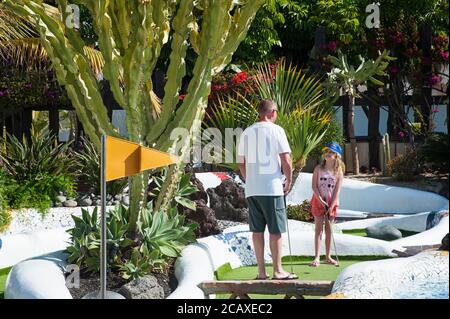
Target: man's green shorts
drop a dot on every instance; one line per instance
(267, 210)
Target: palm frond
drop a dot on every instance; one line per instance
(289, 87)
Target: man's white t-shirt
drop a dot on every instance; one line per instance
(261, 144)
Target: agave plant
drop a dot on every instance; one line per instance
(42, 155)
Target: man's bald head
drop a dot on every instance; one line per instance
(266, 108)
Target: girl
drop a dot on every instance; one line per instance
(326, 184)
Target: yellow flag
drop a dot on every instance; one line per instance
(124, 158)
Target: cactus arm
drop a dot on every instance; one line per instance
(177, 68)
(242, 20)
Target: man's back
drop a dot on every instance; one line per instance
(260, 145)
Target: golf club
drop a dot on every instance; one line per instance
(332, 235)
(289, 237)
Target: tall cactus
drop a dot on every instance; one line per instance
(131, 34)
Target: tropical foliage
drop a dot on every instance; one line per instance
(163, 236)
(37, 170)
(213, 28)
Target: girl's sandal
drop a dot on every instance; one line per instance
(315, 263)
(331, 262)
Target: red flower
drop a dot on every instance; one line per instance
(444, 55)
(401, 134)
(239, 78)
(436, 110)
(181, 97)
(332, 46)
(216, 87)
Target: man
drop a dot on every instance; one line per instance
(263, 154)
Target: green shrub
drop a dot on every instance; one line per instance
(435, 151)
(25, 161)
(333, 133)
(184, 188)
(88, 169)
(404, 167)
(162, 235)
(5, 214)
(36, 171)
(300, 212)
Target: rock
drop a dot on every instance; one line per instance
(98, 202)
(109, 197)
(70, 203)
(118, 197)
(60, 199)
(109, 203)
(84, 201)
(444, 245)
(126, 200)
(384, 232)
(58, 204)
(201, 193)
(116, 202)
(144, 288)
(228, 201)
(204, 217)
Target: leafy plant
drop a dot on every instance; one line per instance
(88, 167)
(162, 235)
(404, 167)
(184, 188)
(141, 264)
(435, 151)
(5, 214)
(300, 212)
(165, 232)
(42, 155)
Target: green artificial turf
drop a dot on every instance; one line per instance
(3, 275)
(300, 267)
(362, 232)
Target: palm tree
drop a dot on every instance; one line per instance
(347, 78)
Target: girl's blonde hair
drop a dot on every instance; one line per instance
(339, 166)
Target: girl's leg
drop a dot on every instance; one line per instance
(328, 241)
(317, 239)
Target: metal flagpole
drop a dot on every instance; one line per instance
(103, 293)
(103, 220)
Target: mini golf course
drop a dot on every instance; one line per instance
(300, 266)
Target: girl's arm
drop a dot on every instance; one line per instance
(336, 192)
(315, 187)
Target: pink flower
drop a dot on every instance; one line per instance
(401, 134)
(434, 79)
(181, 97)
(444, 55)
(332, 46)
(394, 70)
(436, 110)
(216, 87)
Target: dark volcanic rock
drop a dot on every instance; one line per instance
(228, 201)
(444, 245)
(204, 217)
